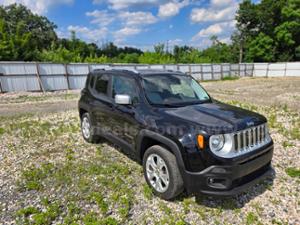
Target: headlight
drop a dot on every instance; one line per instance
(221, 145)
(216, 142)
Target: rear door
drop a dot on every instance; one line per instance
(101, 102)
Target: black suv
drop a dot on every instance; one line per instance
(184, 139)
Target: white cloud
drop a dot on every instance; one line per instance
(101, 18)
(126, 31)
(90, 35)
(201, 44)
(123, 4)
(217, 11)
(171, 8)
(174, 42)
(215, 29)
(137, 18)
(121, 35)
(37, 6)
(211, 30)
(221, 3)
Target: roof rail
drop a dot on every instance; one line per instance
(117, 69)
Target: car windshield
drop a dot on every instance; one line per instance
(173, 90)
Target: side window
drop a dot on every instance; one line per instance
(125, 86)
(101, 86)
(92, 81)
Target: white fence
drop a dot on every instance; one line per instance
(21, 76)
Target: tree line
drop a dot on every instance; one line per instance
(265, 32)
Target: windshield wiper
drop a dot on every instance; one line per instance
(198, 102)
(167, 105)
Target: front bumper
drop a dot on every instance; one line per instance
(230, 180)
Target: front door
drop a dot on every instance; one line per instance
(124, 116)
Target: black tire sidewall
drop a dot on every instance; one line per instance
(92, 137)
(175, 185)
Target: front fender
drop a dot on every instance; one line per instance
(173, 147)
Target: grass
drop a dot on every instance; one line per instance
(33, 215)
(226, 78)
(293, 172)
(105, 184)
(39, 98)
(251, 218)
(2, 131)
(70, 182)
(147, 192)
(287, 144)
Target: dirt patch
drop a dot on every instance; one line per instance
(261, 91)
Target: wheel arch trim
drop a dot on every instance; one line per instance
(173, 147)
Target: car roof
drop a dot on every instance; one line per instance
(139, 72)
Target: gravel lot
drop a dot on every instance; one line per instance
(49, 175)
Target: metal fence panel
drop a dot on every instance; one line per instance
(260, 69)
(171, 67)
(18, 77)
(184, 68)
(21, 76)
(276, 69)
(217, 68)
(77, 82)
(78, 69)
(53, 77)
(157, 67)
(77, 74)
(19, 83)
(293, 69)
(10, 68)
(142, 67)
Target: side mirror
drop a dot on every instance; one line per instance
(123, 100)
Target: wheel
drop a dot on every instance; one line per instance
(162, 173)
(86, 129)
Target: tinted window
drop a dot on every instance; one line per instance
(92, 81)
(125, 86)
(101, 86)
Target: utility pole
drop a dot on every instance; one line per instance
(241, 52)
(167, 46)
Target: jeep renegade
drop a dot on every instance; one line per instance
(185, 139)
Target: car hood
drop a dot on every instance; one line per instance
(217, 117)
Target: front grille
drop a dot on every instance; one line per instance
(251, 138)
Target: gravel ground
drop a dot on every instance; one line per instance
(49, 175)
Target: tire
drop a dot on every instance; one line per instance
(88, 133)
(172, 188)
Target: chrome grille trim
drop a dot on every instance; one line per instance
(250, 139)
(244, 141)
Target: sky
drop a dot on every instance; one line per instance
(140, 23)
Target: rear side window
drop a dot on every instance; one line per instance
(101, 86)
(92, 81)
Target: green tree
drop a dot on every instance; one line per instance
(159, 48)
(276, 22)
(41, 29)
(261, 49)
(60, 55)
(18, 46)
(288, 32)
